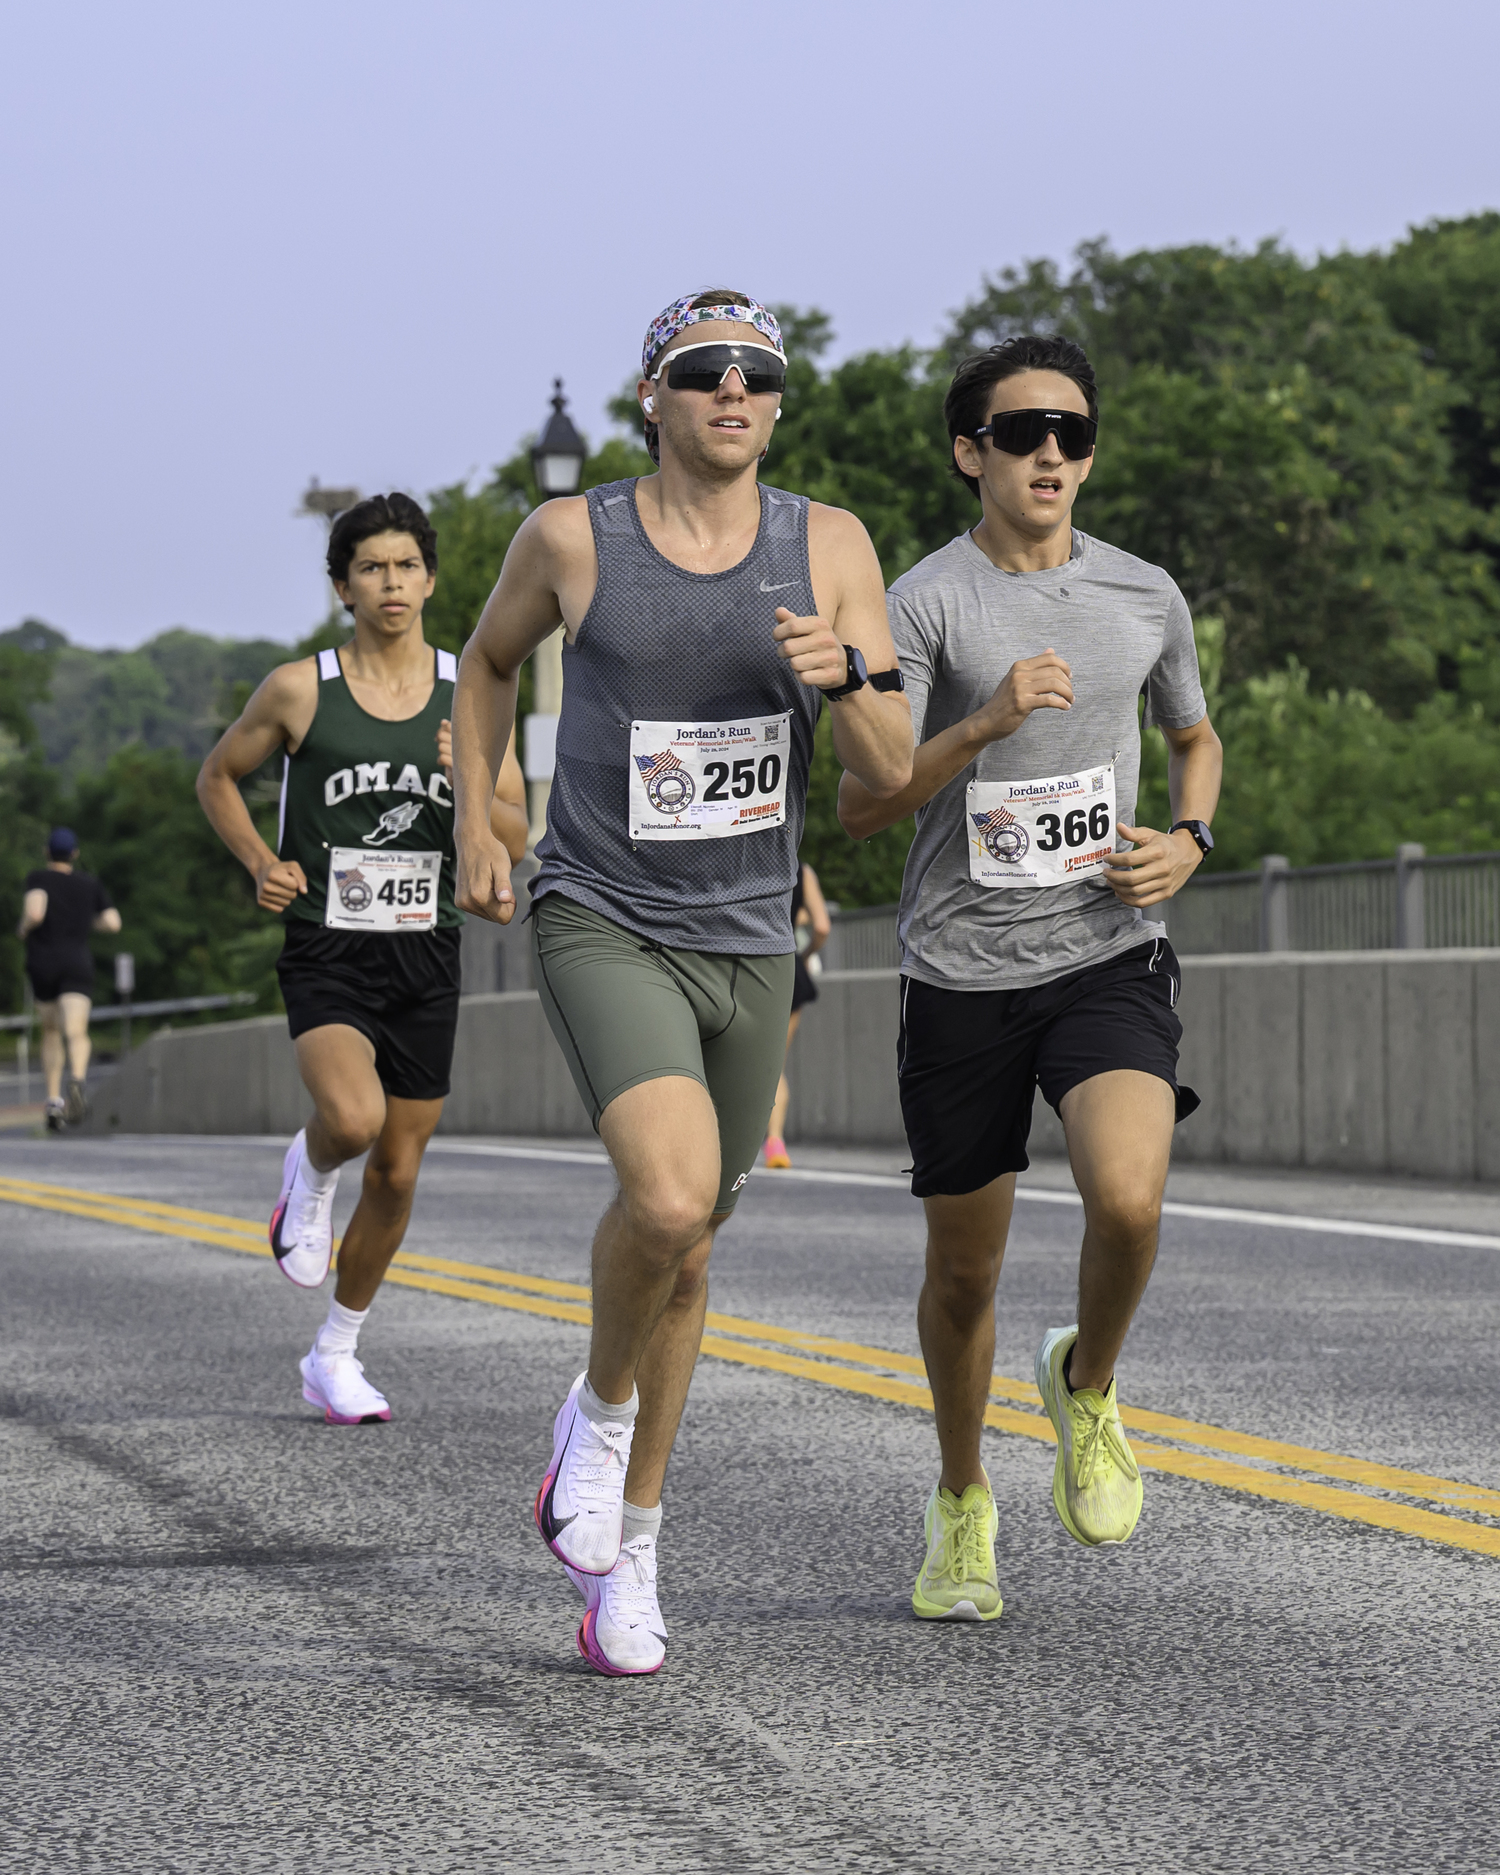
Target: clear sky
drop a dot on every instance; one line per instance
(246, 246)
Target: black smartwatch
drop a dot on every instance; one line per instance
(1199, 830)
(857, 675)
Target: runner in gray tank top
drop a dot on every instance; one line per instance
(703, 616)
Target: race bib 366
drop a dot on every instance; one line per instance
(708, 781)
(1040, 833)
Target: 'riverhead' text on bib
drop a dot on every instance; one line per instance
(382, 891)
(1040, 833)
(706, 781)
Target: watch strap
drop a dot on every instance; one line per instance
(1202, 838)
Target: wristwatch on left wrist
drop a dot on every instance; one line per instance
(1202, 838)
(857, 675)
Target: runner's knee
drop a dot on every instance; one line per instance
(963, 1285)
(669, 1215)
(1126, 1209)
(394, 1179)
(352, 1125)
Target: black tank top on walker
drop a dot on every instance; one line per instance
(685, 740)
(367, 812)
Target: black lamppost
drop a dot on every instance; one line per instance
(558, 453)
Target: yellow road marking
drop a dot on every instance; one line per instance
(562, 1301)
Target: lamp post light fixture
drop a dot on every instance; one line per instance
(557, 463)
(557, 454)
(328, 504)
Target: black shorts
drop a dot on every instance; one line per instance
(970, 1060)
(804, 990)
(400, 991)
(52, 977)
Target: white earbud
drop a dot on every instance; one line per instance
(651, 405)
(778, 416)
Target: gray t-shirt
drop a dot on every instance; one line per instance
(960, 623)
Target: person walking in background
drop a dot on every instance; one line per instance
(811, 928)
(61, 907)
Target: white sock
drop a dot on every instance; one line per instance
(640, 1522)
(602, 1412)
(340, 1333)
(310, 1177)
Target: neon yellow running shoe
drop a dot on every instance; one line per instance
(957, 1581)
(1096, 1483)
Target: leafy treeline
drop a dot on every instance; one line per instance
(1311, 449)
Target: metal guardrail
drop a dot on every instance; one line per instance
(1408, 902)
(862, 939)
(123, 1012)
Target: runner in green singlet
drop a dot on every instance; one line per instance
(363, 881)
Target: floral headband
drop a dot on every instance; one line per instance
(682, 313)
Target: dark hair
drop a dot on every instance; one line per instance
(967, 404)
(710, 296)
(381, 514)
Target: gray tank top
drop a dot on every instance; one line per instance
(659, 642)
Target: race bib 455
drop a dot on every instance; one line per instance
(381, 890)
(1040, 833)
(708, 781)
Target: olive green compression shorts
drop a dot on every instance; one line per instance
(625, 1010)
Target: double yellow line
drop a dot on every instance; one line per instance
(1282, 1473)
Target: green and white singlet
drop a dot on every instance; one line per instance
(367, 812)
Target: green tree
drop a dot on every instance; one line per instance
(187, 905)
(1441, 287)
(1270, 437)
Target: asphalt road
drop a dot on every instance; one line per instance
(236, 1639)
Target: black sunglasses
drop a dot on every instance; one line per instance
(705, 367)
(1019, 432)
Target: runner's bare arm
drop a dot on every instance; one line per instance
(1160, 864)
(820, 924)
(33, 911)
(1040, 683)
(540, 587)
(277, 716)
(509, 820)
(871, 728)
(108, 920)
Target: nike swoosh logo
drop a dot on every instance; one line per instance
(781, 586)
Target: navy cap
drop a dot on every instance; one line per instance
(62, 843)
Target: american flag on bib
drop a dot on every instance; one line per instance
(994, 820)
(653, 765)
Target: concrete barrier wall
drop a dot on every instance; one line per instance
(1365, 1061)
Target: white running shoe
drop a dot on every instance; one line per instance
(622, 1630)
(302, 1223)
(580, 1509)
(337, 1383)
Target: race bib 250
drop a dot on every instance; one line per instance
(708, 781)
(1040, 833)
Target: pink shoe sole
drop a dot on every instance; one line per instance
(591, 1652)
(341, 1419)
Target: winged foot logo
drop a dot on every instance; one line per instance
(393, 823)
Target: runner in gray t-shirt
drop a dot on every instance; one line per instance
(1026, 956)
